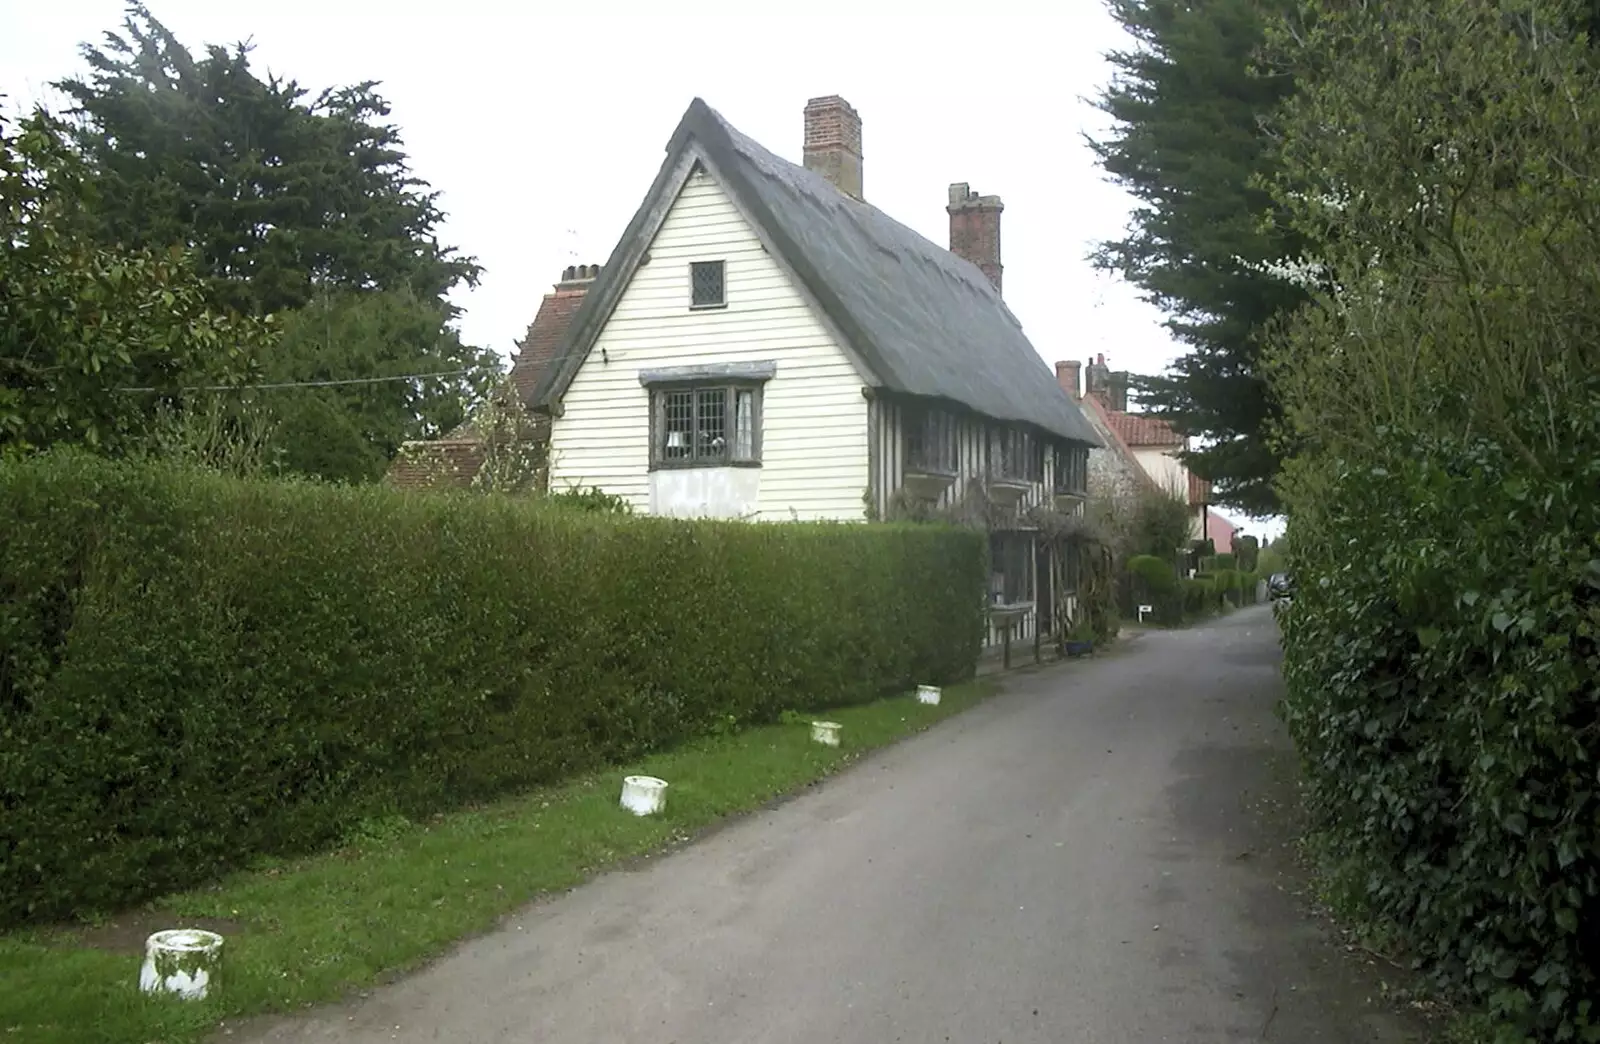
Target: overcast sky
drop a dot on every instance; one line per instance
(543, 130)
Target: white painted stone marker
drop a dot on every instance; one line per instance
(826, 733)
(185, 962)
(928, 694)
(644, 795)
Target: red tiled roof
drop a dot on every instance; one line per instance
(1117, 444)
(1133, 429)
(437, 464)
(538, 345)
(1137, 429)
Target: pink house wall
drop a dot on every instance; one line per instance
(1220, 532)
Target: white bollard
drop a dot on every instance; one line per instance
(826, 733)
(928, 694)
(644, 795)
(185, 962)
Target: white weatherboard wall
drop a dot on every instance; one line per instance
(814, 417)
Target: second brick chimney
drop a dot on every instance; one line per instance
(833, 143)
(975, 229)
(1067, 375)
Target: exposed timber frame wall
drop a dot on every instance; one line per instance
(961, 472)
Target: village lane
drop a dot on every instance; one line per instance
(1099, 854)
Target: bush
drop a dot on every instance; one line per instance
(1223, 562)
(1155, 583)
(1199, 596)
(1443, 694)
(195, 669)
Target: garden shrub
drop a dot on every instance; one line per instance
(1222, 562)
(1156, 584)
(1199, 596)
(1247, 549)
(196, 669)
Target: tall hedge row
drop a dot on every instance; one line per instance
(195, 669)
(1443, 663)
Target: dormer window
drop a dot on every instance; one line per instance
(708, 284)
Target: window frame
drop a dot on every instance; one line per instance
(1009, 547)
(1015, 455)
(732, 387)
(922, 426)
(722, 271)
(1070, 473)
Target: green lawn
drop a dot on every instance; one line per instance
(311, 929)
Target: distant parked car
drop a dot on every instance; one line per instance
(1280, 588)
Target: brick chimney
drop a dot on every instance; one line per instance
(975, 229)
(1097, 380)
(833, 143)
(1067, 374)
(1117, 390)
(1110, 388)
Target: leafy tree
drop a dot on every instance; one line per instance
(1188, 145)
(516, 445)
(82, 323)
(1439, 196)
(290, 203)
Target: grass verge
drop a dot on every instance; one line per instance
(312, 929)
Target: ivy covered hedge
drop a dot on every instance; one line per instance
(194, 669)
(1443, 664)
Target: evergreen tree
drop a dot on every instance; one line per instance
(1189, 145)
(290, 203)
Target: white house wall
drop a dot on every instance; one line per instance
(1164, 469)
(1170, 474)
(814, 416)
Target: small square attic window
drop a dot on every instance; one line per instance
(707, 285)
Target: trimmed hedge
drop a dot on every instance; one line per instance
(1444, 692)
(194, 669)
(1155, 583)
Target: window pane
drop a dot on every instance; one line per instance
(711, 424)
(744, 425)
(706, 283)
(677, 425)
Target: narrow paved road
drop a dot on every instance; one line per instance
(1082, 859)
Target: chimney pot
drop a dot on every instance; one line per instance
(576, 276)
(975, 229)
(833, 143)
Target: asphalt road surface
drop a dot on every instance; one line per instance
(1096, 855)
